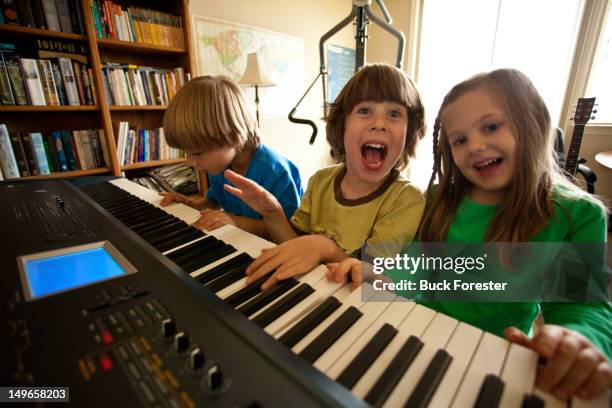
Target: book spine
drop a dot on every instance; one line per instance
(8, 163)
(20, 157)
(39, 151)
(30, 153)
(6, 93)
(39, 14)
(72, 93)
(48, 83)
(51, 154)
(26, 18)
(69, 149)
(33, 82)
(95, 148)
(51, 16)
(58, 145)
(78, 76)
(104, 146)
(88, 149)
(86, 85)
(76, 145)
(16, 77)
(9, 12)
(59, 84)
(63, 13)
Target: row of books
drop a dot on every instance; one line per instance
(133, 85)
(136, 145)
(58, 81)
(136, 24)
(55, 15)
(25, 154)
(176, 177)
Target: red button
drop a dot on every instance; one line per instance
(107, 337)
(105, 362)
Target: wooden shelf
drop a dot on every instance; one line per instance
(105, 43)
(62, 108)
(68, 174)
(27, 32)
(138, 107)
(151, 163)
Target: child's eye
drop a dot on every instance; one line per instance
(492, 127)
(395, 114)
(363, 110)
(458, 141)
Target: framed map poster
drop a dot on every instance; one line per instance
(340, 68)
(222, 48)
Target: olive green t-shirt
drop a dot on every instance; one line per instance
(386, 219)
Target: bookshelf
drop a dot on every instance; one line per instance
(102, 115)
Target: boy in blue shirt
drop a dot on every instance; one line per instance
(210, 120)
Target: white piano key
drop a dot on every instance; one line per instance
(414, 325)
(488, 359)
(353, 299)
(371, 311)
(434, 338)
(168, 252)
(550, 401)
(395, 313)
(518, 374)
(461, 347)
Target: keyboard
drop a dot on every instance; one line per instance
(386, 350)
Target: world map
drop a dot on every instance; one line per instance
(222, 49)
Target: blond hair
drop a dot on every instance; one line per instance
(208, 113)
(529, 203)
(379, 83)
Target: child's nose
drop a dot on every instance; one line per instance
(477, 144)
(379, 122)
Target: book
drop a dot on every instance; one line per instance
(20, 157)
(49, 152)
(58, 146)
(38, 14)
(8, 163)
(26, 17)
(51, 16)
(48, 82)
(76, 16)
(78, 79)
(41, 155)
(30, 153)
(105, 153)
(32, 81)
(6, 94)
(69, 150)
(63, 12)
(87, 85)
(68, 79)
(16, 78)
(59, 84)
(9, 11)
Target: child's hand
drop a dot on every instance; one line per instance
(213, 219)
(574, 365)
(254, 195)
(337, 271)
(291, 258)
(169, 198)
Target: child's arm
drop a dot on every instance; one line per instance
(264, 203)
(574, 366)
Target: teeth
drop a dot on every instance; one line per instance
(491, 161)
(375, 145)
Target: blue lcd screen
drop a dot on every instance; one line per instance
(62, 272)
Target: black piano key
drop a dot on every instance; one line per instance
(283, 305)
(532, 401)
(309, 322)
(144, 226)
(252, 289)
(141, 217)
(171, 234)
(154, 229)
(427, 385)
(265, 298)
(134, 210)
(370, 352)
(490, 392)
(211, 255)
(164, 230)
(195, 250)
(188, 236)
(332, 333)
(238, 262)
(383, 387)
(229, 278)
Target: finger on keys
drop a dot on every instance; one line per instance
(586, 361)
(514, 335)
(559, 366)
(599, 381)
(266, 254)
(262, 270)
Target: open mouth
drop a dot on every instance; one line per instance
(373, 155)
(488, 165)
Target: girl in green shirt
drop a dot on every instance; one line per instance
(498, 182)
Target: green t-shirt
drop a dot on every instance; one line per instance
(385, 220)
(576, 219)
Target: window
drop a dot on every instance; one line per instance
(462, 38)
(600, 80)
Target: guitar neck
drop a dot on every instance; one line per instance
(571, 162)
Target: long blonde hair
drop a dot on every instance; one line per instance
(529, 203)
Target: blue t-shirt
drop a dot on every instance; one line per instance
(270, 170)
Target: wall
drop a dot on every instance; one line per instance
(308, 20)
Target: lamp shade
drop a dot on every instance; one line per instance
(254, 73)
